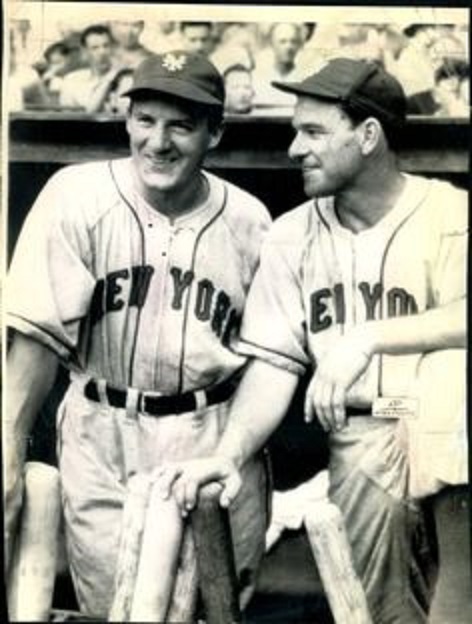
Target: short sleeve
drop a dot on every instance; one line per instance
(273, 327)
(49, 285)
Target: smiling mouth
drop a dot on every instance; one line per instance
(160, 163)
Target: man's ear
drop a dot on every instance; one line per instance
(215, 135)
(371, 134)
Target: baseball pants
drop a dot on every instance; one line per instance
(93, 461)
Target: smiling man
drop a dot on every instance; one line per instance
(134, 273)
(362, 284)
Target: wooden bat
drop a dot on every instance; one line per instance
(34, 565)
(332, 552)
(158, 560)
(134, 513)
(218, 580)
(184, 595)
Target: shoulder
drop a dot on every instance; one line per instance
(294, 226)
(243, 211)
(81, 191)
(77, 76)
(444, 205)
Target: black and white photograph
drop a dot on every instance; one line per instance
(234, 300)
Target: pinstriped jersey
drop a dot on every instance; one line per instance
(124, 293)
(317, 279)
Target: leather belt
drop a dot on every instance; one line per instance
(152, 405)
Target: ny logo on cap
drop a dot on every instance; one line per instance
(174, 63)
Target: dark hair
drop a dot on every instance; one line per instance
(212, 113)
(58, 46)
(95, 29)
(411, 30)
(235, 68)
(357, 116)
(451, 67)
(184, 25)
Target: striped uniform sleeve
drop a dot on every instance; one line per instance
(273, 327)
(49, 287)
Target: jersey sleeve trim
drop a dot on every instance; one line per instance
(42, 335)
(272, 356)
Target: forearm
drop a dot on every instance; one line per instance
(260, 404)
(31, 371)
(439, 328)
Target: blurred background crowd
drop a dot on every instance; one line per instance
(86, 69)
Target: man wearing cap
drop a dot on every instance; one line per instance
(133, 273)
(360, 283)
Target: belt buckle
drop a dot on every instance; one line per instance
(142, 403)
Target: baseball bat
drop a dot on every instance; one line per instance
(158, 560)
(332, 552)
(132, 527)
(184, 595)
(218, 580)
(34, 565)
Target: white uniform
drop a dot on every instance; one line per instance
(316, 279)
(126, 296)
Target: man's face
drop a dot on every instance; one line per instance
(58, 62)
(239, 92)
(198, 39)
(99, 52)
(127, 33)
(168, 145)
(326, 146)
(285, 42)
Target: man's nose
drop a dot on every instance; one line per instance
(297, 147)
(160, 139)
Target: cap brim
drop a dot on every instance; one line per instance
(299, 88)
(178, 88)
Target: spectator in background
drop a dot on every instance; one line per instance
(25, 88)
(445, 99)
(197, 37)
(239, 89)
(414, 68)
(86, 89)
(129, 51)
(392, 42)
(57, 59)
(114, 102)
(237, 44)
(278, 63)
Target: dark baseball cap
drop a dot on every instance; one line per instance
(183, 74)
(363, 85)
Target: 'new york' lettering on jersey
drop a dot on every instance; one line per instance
(317, 279)
(146, 302)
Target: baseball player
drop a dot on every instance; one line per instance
(134, 273)
(361, 282)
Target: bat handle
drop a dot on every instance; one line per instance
(218, 580)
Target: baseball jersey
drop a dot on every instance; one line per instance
(126, 294)
(317, 279)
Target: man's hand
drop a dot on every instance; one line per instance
(184, 479)
(335, 373)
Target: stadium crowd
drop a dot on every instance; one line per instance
(87, 70)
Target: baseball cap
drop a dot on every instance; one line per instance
(364, 85)
(187, 75)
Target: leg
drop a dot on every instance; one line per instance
(386, 531)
